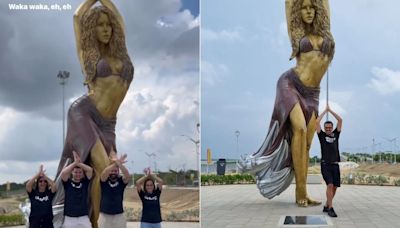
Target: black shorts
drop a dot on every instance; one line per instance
(331, 173)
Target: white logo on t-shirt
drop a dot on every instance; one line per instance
(45, 198)
(112, 185)
(150, 198)
(329, 139)
(75, 185)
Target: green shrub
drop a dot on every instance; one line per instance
(397, 182)
(348, 179)
(11, 220)
(376, 179)
(132, 214)
(182, 215)
(360, 178)
(212, 179)
(380, 180)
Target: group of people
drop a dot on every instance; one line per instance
(76, 178)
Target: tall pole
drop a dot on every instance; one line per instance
(184, 174)
(198, 153)
(197, 145)
(155, 162)
(132, 174)
(394, 149)
(393, 145)
(176, 177)
(149, 156)
(63, 76)
(373, 150)
(327, 92)
(237, 133)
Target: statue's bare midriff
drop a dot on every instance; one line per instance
(107, 94)
(311, 66)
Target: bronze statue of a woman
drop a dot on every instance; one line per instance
(108, 71)
(285, 151)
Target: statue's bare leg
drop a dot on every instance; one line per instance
(310, 134)
(298, 148)
(99, 161)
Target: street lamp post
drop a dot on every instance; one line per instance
(155, 162)
(132, 173)
(149, 156)
(394, 150)
(237, 133)
(393, 142)
(184, 174)
(63, 76)
(380, 152)
(197, 144)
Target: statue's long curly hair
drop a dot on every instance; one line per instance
(90, 44)
(320, 25)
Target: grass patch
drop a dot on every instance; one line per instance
(12, 220)
(211, 179)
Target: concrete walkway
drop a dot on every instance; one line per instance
(163, 225)
(234, 206)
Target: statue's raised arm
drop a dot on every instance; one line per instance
(80, 11)
(328, 11)
(288, 7)
(111, 6)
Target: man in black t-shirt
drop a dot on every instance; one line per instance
(329, 140)
(112, 193)
(76, 208)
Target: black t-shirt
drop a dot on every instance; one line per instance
(151, 212)
(76, 198)
(112, 195)
(329, 146)
(41, 205)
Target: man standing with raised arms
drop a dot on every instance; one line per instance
(76, 205)
(329, 140)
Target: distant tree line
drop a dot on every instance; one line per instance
(386, 157)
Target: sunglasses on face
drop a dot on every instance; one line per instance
(43, 181)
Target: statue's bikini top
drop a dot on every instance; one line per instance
(306, 46)
(103, 69)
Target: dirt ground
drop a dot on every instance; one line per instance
(177, 204)
(389, 170)
(9, 206)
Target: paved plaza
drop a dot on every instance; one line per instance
(163, 225)
(234, 206)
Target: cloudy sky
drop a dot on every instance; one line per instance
(161, 105)
(245, 48)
